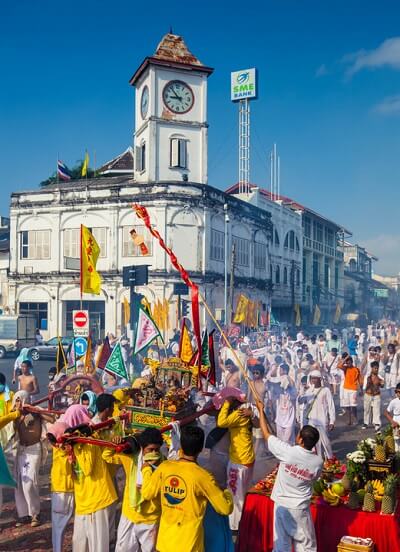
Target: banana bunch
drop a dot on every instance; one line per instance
(379, 489)
(330, 497)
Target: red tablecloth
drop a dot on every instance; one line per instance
(331, 524)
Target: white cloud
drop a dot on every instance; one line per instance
(386, 54)
(321, 71)
(387, 248)
(389, 106)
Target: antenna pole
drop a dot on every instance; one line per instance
(279, 176)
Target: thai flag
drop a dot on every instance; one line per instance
(63, 171)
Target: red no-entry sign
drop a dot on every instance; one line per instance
(80, 322)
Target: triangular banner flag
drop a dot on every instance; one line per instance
(146, 332)
(115, 364)
(61, 361)
(185, 344)
(104, 354)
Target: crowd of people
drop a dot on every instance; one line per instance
(275, 395)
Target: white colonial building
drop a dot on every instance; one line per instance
(285, 248)
(170, 179)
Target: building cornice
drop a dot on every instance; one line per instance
(116, 194)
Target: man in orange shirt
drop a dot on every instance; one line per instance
(352, 382)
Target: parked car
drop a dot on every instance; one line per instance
(48, 350)
(16, 332)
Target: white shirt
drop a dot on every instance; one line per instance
(298, 469)
(285, 405)
(322, 411)
(394, 409)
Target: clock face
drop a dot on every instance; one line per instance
(144, 102)
(178, 96)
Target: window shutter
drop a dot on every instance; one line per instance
(138, 158)
(182, 153)
(174, 156)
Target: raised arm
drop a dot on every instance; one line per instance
(221, 501)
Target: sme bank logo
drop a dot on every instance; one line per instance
(243, 84)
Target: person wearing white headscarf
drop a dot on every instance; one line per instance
(319, 411)
(284, 397)
(29, 432)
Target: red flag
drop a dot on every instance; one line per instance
(142, 213)
(104, 354)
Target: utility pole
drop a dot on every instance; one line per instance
(226, 319)
(292, 282)
(231, 283)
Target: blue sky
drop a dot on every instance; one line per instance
(329, 82)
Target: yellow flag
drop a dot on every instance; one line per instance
(127, 311)
(338, 313)
(241, 309)
(185, 344)
(251, 321)
(90, 251)
(317, 315)
(88, 357)
(85, 164)
(160, 311)
(166, 315)
(298, 314)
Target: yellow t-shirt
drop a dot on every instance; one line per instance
(5, 408)
(185, 488)
(11, 417)
(93, 486)
(61, 472)
(241, 450)
(150, 510)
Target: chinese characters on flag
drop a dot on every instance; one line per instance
(90, 251)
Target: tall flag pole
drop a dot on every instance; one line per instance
(142, 213)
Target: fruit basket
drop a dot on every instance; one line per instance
(355, 544)
(265, 486)
(333, 469)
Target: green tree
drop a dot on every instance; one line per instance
(75, 171)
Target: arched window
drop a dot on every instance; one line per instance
(276, 237)
(353, 265)
(285, 276)
(291, 241)
(277, 275)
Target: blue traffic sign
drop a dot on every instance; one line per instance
(80, 344)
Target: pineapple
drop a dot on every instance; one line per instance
(354, 497)
(389, 500)
(389, 440)
(380, 455)
(346, 482)
(369, 501)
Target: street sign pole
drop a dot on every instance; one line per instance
(134, 276)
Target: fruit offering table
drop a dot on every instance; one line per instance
(331, 524)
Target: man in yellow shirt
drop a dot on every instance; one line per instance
(184, 488)
(62, 486)
(137, 529)
(95, 495)
(241, 453)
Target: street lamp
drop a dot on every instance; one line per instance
(226, 264)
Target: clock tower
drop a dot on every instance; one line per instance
(171, 126)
